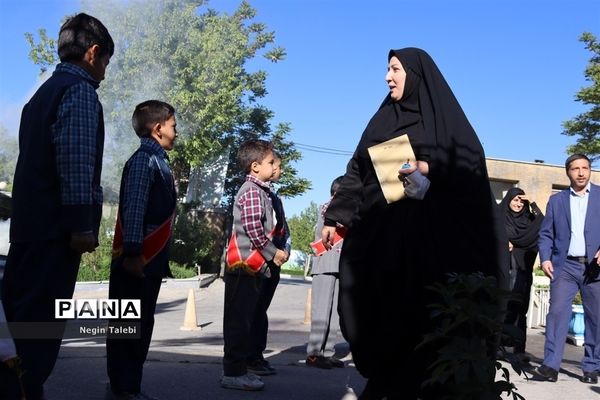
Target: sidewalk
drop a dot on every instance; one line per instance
(187, 364)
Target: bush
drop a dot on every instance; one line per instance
(181, 271)
(468, 327)
(189, 242)
(191, 237)
(293, 272)
(96, 266)
(577, 299)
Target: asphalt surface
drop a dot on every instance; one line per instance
(186, 364)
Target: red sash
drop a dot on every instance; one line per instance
(252, 264)
(153, 244)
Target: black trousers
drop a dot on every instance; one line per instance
(125, 356)
(260, 323)
(516, 312)
(242, 293)
(36, 274)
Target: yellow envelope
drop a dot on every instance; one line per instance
(388, 157)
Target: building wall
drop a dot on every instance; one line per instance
(539, 180)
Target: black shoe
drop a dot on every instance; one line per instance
(319, 362)
(336, 362)
(260, 368)
(269, 367)
(546, 373)
(590, 377)
(522, 358)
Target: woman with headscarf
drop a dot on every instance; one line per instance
(522, 221)
(392, 251)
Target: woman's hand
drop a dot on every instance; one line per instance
(525, 198)
(422, 166)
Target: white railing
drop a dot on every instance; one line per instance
(539, 303)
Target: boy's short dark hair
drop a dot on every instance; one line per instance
(336, 184)
(253, 150)
(148, 113)
(574, 157)
(78, 34)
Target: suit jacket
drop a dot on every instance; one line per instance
(555, 233)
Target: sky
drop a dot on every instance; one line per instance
(514, 66)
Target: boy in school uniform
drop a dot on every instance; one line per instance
(141, 244)
(57, 198)
(324, 321)
(257, 364)
(250, 256)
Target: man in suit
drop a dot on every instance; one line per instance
(569, 247)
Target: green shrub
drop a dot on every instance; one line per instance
(191, 237)
(96, 266)
(466, 339)
(293, 272)
(181, 271)
(189, 244)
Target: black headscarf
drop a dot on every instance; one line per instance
(440, 134)
(522, 227)
(469, 241)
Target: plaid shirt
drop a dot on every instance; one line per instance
(252, 213)
(137, 181)
(74, 137)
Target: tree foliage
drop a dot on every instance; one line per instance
(42, 53)
(207, 64)
(587, 124)
(302, 228)
(198, 59)
(467, 316)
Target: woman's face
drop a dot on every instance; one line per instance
(395, 78)
(516, 204)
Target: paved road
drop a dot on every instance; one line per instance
(187, 364)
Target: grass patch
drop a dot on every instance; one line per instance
(293, 272)
(182, 272)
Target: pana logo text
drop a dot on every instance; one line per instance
(97, 308)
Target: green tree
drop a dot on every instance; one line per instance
(42, 53)
(9, 150)
(197, 59)
(587, 125)
(207, 64)
(302, 228)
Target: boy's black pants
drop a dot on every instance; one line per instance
(260, 324)
(242, 293)
(36, 274)
(125, 357)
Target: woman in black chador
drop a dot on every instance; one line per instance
(522, 221)
(392, 251)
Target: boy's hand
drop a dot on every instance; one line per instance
(83, 242)
(280, 258)
(327, 236)
(134, 266)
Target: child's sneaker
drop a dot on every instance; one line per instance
(243, 382)
(261, 367)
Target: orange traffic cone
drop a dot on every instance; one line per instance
(189, 320)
